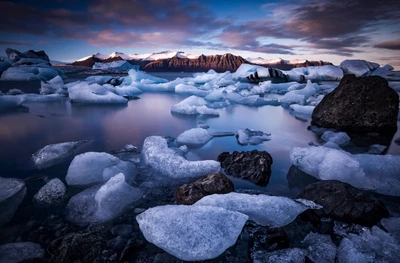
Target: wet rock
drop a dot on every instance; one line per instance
(122, 230)
(299, 179)
(254, 166)
(365, 104)
(18, 252)
(214, 183)
(82, 247)
(54, 192)
(12, 192)
(343, 202)
(270, 238)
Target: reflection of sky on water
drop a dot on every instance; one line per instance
(111, 127)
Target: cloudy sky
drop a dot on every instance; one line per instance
(328, 30)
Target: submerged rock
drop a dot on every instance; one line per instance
(191, 232)
(272, 211)
(54, 192)
(214, 183)
(20, 252)
(55, 153)
(345, 203)
(254, 166)
(12, 192)
(364, 104)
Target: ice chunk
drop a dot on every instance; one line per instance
(249, 136)
(191, 232)
(340, 138)
(361, 170)
(119, 65)
(358, 67)
(392, 225)
(55, 85)
(252, 100)
(189, 89)
(20, 252)
(386, 72)
(166, 161)
(371, 245)
(102, 203)
(272, 211)
(55, 153)
(40, 98)
(299, 96)
(318, 73)
(288, 255)
(101, 80)
(9, 102)
(127, 90)
(15, 92)
(193, 105)
(95, 94)
(320, 248)
(194, 137)
(301, 109)
(97, 167)
(12, 192)
(51, 193)
(142, 77)
(206, 111)
(279, 88)
(215, 95)
(29, 73)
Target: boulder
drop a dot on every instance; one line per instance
(214, 183)
(54, 192)
(254, 166)
(343, 202)
(12, 192)
(364, 104)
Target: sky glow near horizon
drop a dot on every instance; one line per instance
(326, 30)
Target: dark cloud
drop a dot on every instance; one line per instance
(392, 44)
(12, 43)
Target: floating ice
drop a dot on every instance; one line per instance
(301, 109)
(97, 167)
(102, 203)
(194, 137)
(288, 255)
(319, 73)
(299, 96)
(142, 77)
(340, 138)
(29, 73)
(272, 211)
(55, 153)
(119, 65)
(40, 98)
(20, 252)
(191, 232)
(361, 170)
(249, 136)
(320, 248)
(126, 90)
(94, 94)
(206, 111)
(392, 225)
(51, 193)
(215, 95)
(12, 192)
(101, 80)
(386, 72)
(371, 245)
(15, 92)
(9, 102)
(189, 89)
(279, 88)
(193, 105)
(166, 161)
(358, 67)
(252, 100)
(55, 85)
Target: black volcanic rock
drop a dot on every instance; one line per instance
(254, 166)
(365, 104)
(343, 202)
(214, 183)
(219, 63)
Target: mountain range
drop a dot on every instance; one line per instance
(181, 61)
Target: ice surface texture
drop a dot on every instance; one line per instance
(166, 161)
(272, 211)
(191, 232)
(93, 94)
(253, 137)
(194, 137)
(193, 105)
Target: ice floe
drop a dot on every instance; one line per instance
(339, 138)
(193, 105)
(299, 96)
(55, 85)
(358, 67)
(191, 232)
(249, 136)
(93, 94)
(194, 137)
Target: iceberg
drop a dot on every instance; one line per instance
(193, 105)
(93, 94)
(299, 96)
(97, 167)
(102, 203)
(272, 211)
(318, 73)
(12, 192)
(55, 85)
(21, 252)
(194, 137)
(253, 137)
(54, 192)
(358, 67)
(119, 65)
(339, 138)
(363, 171)
(55, 153)
(23, 73)
(166, 161)
(135, 75)
(9, 102)
(189, 89)
(191, 233)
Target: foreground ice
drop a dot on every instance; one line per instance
(339, 138)
(53, 192)
(12, 192)
(194, 137)
(363, 171)
(20, 252)
(191, 232)
(166, 161)
(102, 203)
(94, 94)
(97, 167)
(392, 225)
(319, 248)
(193, 105)
(371, 245)
(55, 153)
(272, 211)
(253, 137)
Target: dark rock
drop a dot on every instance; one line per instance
(78, 247)
(299, 179)
(214, 183)
(343, 202)
(122, 230)
(254, 166)
(365, 104)
(270, 238)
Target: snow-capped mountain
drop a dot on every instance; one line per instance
(263, 61)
